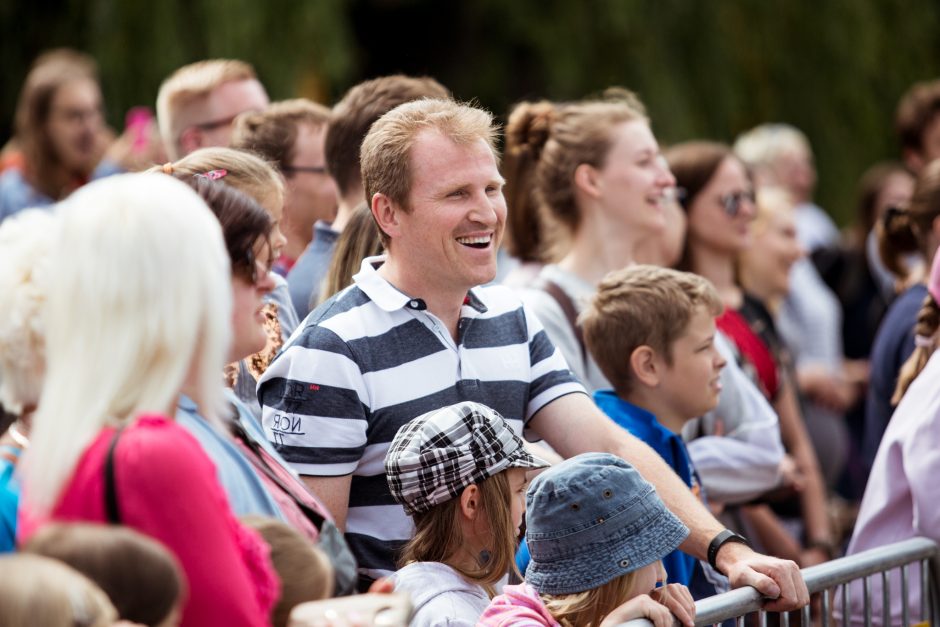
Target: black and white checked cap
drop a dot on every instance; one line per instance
(438, 454)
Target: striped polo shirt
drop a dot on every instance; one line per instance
(371, 359)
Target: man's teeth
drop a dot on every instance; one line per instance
(474, 240)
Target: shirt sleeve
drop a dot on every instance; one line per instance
(168, 490)
(550, 377)
(314, 404)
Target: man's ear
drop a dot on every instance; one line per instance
(470, 502)
(386, 213)
(645, 366)
(586, 179)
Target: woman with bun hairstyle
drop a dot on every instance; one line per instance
(592, 174)
(904, 233)
(594, 170)
(720, 205)
(139, 307)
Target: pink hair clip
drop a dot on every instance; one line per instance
(213, 175)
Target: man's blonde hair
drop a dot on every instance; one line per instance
(386, 151)
(642, 306)
(189, 84)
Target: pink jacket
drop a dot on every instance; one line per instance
(517, 606)
(167, 489)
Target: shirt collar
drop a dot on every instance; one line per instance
(390, 298)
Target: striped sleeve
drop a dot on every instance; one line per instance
(315, 405)
(550, 376)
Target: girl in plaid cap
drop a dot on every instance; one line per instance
(460, 473)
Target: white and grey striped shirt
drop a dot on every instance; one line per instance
(371, 359)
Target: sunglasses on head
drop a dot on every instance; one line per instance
(731, 203)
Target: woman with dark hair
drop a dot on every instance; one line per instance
(59, 130)
(720, 206)
(905, 234)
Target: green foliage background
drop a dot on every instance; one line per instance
(834, 68)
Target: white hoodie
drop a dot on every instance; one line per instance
(441, 596)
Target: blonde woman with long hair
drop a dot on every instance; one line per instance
(139, 305)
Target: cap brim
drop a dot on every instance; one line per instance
(522, 458)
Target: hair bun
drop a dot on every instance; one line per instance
(530, 125)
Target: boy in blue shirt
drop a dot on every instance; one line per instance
(651, 331)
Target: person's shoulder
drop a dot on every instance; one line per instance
(155, 434)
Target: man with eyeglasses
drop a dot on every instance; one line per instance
(290, 134)
(197, 104)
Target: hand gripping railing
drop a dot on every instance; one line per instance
(829, 578)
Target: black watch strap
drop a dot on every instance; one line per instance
(719, 541)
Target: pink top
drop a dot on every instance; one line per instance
(517, 606)
(167, 489)
(902, 498)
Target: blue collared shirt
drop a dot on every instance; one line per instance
(680, 566)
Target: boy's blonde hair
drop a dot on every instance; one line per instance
(438, 535)
(642, 306)
(589, 608)
(189, 84)
(245, 171)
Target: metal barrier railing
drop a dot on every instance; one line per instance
(829, 581)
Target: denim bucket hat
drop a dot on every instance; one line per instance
(591, 519)
(438, 454)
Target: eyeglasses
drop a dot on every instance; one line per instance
(731, 203)
(214, 124)
(312, 169)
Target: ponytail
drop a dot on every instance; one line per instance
(896, 238)
(928, 321)
(526, 135)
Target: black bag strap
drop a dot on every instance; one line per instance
(258, 460)
(110, 487)
(567, 307)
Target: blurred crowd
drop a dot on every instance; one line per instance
(384, 362)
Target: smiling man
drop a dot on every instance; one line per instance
(416, 332)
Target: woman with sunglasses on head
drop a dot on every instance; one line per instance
(138, 308)
(720, 206)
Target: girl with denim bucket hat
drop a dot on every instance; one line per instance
(460, 473)
(596, 532)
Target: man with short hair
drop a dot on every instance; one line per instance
(416, 332)
(351, 118)
(917, 123)
(290, 134)
(197, 104)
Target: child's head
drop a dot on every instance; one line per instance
(653, 328)
(139, 575)
(304, 570)
(596, 531)
(459, 472)
(39, 590)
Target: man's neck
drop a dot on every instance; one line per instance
(652, 402)
(444, 303)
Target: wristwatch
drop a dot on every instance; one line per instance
(719, 541)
